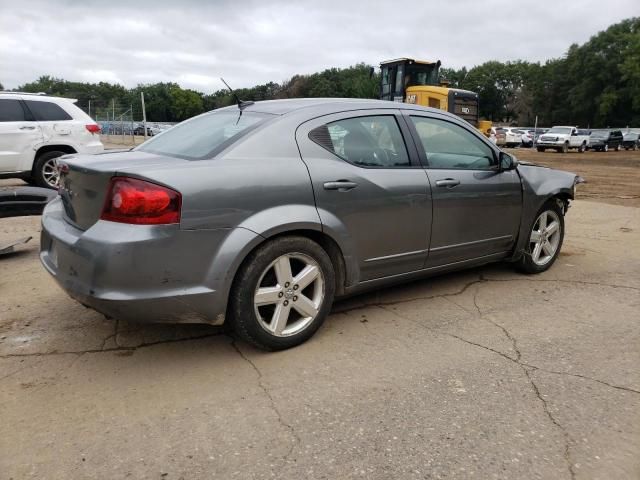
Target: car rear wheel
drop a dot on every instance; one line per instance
(618, 148)
(545, 239)
(582, 148)
(45, 170)
(605, 148)
(565, 148)
(282, 293)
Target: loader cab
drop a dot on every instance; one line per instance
(413, 81)
(399, 74)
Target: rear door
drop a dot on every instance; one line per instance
(476, 208)
(18, 136)
(370, 188)
(56, 124)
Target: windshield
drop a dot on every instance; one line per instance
(561, 130)
(199, 137)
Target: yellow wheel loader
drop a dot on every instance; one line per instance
(415, 81)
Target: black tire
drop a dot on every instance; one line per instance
(618, 148)
(565, 148)
(605, 148)
(635, 147)
(541, 150)
(38, 176)
(526, 263)
(582, 148)
(245, 321)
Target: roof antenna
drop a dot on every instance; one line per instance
(242, 104)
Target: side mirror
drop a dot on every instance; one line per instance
(506, 162)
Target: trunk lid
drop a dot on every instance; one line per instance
(84, 180)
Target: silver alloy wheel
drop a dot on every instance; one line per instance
(50, 172)
(545, 237)
(289, 294)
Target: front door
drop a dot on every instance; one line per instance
(476, 207)
(18, 136)
(370, 188)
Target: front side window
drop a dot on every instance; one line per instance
(374, 141)
(47, 111)
(11, 111)
(447, 145)
(198, 138)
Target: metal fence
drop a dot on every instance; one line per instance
(124, 120)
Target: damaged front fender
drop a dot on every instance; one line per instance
(539, 185)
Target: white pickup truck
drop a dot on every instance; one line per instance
(562, 139)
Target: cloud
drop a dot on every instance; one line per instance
(250, 42)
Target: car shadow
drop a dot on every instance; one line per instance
(130, 335)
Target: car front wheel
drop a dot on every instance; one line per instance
(545, 239)
(282, 293)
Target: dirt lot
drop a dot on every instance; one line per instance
(480, 374)
(612, 177)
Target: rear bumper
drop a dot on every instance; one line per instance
(135, 272)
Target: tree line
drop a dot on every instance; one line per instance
(596, 84)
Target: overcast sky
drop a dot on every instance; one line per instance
(249, 42)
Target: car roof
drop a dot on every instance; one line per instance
(284, 106)
(36, 96)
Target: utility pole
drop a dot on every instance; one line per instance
(89, 107)
(133, 137)
(113, 109)
(144, 117)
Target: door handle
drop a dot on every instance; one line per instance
(27, 128)
(447, 182)
(340, 185)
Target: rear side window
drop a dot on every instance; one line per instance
(374, 141)
(200, 137)
(447, 145)
(11, 111)
(47, 111)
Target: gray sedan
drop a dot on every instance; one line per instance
(261, 214)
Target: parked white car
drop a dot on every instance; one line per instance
(527, 137)
(562, 139)
(37, 129)
(513, 136)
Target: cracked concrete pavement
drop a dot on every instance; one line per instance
(478, 374)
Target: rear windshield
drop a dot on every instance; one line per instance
(201, 136)
(600, 133)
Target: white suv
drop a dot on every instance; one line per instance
(36, 129)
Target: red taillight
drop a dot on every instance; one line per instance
(93, 128)
(130, 200)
